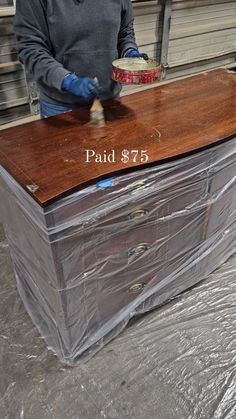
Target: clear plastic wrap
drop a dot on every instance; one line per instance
(176, 362)
(88, 263)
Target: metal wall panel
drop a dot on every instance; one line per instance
(7, 7)
(14, 113)
(148, 25)
(14, 97)
(202, 32)
(6, 3)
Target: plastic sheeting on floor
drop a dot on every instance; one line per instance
(177, 362)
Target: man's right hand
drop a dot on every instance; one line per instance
(84, 87)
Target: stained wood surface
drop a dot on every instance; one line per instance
(166, 121)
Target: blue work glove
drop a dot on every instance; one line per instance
(84, 87)
(134, 53)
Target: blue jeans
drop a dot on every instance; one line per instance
(52, 109)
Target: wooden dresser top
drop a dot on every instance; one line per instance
(47, 157)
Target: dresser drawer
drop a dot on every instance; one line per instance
(154, 183)
(128, 275)
(141, 244)
(95, 226)
(221, 212)
(83, 260)
(222, 172)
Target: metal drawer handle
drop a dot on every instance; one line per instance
(138, 213)
(138, 250)
(138, 186)
(136, 288)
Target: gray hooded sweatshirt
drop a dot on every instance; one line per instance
(55, 37)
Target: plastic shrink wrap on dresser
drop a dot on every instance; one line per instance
(86, 264)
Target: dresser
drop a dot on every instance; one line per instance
(105, 223)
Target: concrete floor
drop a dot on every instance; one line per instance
(177, 362)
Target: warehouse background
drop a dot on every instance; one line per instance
(185, 36)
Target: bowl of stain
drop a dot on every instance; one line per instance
(136, 71)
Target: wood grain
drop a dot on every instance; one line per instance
(166, 121)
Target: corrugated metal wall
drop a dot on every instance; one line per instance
(202, 35)
(14, 102)
(148, 25)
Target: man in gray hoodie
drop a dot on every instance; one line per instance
(65, 44)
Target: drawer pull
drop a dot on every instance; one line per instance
(138, 186)
(138, 214)
(136, 288)
(138, 250)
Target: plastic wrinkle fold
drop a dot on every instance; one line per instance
(185, 350)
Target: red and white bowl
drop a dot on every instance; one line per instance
(135, 71)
